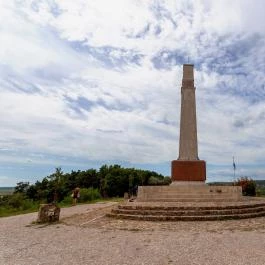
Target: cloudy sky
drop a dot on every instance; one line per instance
(83, 83)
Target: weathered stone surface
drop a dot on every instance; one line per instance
(48, 213)
(188, 146)
(196, 211)
(188, 167)
(188, 170)
(189, 193)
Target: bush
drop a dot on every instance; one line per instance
(154, 181)
(260, 191)
(167, 181)
(67, 200)
(248, 186)
(89, 194)
(28, 204)
(4, 200)
(19, 202)
(16, 200)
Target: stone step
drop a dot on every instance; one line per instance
(190, 200)
(190, 211)
(164, 207)
(190, 189)
(188, 192)
(193, 212)
(186, 217)
(187, 196)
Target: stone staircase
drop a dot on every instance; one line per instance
(200, 211)
(190, 203)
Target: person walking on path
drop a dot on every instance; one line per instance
(75, 195)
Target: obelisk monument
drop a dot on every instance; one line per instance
(188, 167)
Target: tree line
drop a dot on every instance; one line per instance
(109, 181)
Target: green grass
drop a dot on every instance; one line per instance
(9, 211)
(260, 190)
(68, 203)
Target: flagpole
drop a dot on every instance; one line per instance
(234, 166)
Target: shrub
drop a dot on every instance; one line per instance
(260, 191)
(19, 202)
(28, 204)
(4, 200)
(89, 194)
(167, 181)
(153, 181)
(67, 200)
(248, 186)
(16, 200)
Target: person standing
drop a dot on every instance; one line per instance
(75, 195)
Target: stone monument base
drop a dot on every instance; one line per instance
(188, 183)
(183, 170)
(189, 193)
(190, 211)
(190, 203)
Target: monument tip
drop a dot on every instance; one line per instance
(188, 71)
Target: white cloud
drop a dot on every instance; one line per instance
(101, 80)
(236, 16)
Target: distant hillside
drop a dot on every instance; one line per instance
(220, 183)
(6, 190)
(258, 182)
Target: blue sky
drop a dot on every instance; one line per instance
(83, 83)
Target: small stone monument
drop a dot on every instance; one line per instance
(48, 213)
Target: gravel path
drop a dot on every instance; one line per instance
(85, 236)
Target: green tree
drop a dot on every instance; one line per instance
(88, 178)
(21, 187)
(56, 191)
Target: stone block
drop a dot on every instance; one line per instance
(126, 196)
(48, 213)
(183, 170)
(189, 193)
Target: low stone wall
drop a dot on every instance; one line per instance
(189, 193)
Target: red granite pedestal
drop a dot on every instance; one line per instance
(183, 170)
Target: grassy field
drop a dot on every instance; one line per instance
(6, 190)
(33, 207)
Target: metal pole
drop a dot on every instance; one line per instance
(234, 166)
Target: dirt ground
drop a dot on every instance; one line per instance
(85, 235)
